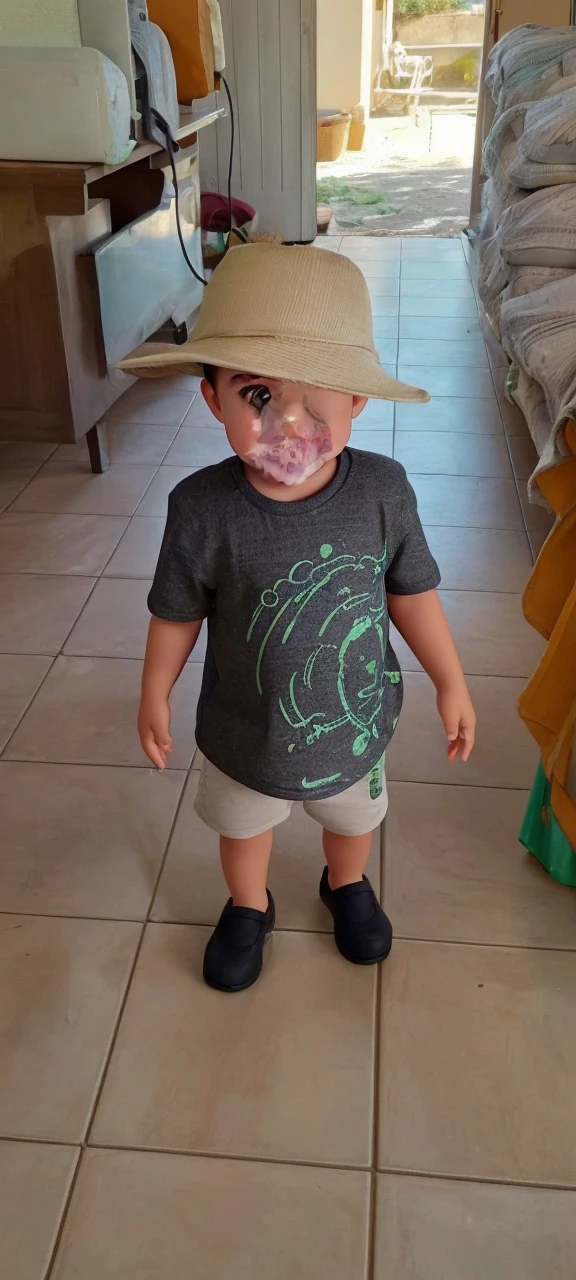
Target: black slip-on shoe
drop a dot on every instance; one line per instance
(362, 931)
(233, 957)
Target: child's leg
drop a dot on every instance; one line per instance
(362, 931)
(346, 857)
(245, 867)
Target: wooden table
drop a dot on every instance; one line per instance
(54, 380)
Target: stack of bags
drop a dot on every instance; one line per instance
(527, 281)
(527, 234)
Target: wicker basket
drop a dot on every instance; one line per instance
(332, 137)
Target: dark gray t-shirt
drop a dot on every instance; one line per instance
(301, 690)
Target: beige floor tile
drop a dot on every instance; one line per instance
(13, 450)
(480, 559)
(155, 501)
(192, 889)
(476, 1062)
(35, 1180)
(433, 1229)
(491, 635)
(86, 713)
(360, 247)
(384, 304)
(37, 613)
(455, 870)
(383, 286)
(138, 551)
(386, 267)
(115, 622)
(524, 456)
(15, 475)
(373, 441)
(538, 519)
(199, 446)
(505, 754)
(470, 352)
(332, 243)
(377, 416)
(92, 842)
(476, 502)
(20, 677)
(514, 421)
(440, 329)
(283, 1070)
(445, 267)
(537, 541)
(57, 544)
(76, 492)
(417, 287)
(387, 349)
(128, 442)
(137, 1216)
(453, 453)
(385, 327)
(431, 305)
(432, 247)
(199, 415)
(496, 354)
(150, 403)
(452, 414)
(61, 987)
(448, 380)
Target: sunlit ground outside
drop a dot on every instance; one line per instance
(412, 177)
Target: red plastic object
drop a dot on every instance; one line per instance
(215, 213)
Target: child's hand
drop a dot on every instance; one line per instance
(459, 720)
(154, 730)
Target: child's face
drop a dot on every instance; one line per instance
(286, 430)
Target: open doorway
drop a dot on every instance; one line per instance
(398, 85)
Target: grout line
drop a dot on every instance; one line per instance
(371, 1267)
(389, 1171)
(552, 949)
(478, 1180)
(31, 700)
(239, 1159)
(114, 764)
(63, 1216)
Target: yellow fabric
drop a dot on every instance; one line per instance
(188, 27)
(548, 704)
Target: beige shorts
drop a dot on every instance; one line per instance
(235, 811)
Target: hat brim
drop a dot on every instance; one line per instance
(353, 370)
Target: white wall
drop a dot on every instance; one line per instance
(39, 22)
(344, 58)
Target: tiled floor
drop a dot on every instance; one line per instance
(334, 1122)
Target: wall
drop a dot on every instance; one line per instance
(39, 22)
(514, 12)
(441, 28)
(344, 58)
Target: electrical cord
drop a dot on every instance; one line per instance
(231, 155)
(172, 147)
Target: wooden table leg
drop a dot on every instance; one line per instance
(96, 439)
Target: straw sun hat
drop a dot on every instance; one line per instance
(283, 312)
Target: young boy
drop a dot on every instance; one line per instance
(297, 551)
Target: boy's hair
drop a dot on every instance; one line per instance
(210, 374)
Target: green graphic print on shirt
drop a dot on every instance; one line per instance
(331, 617)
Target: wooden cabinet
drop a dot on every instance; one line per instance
(54, 380)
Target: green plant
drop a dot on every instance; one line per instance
(419, 8)
(328, 189)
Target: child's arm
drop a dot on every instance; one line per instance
(168, 649)
(422, 623)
